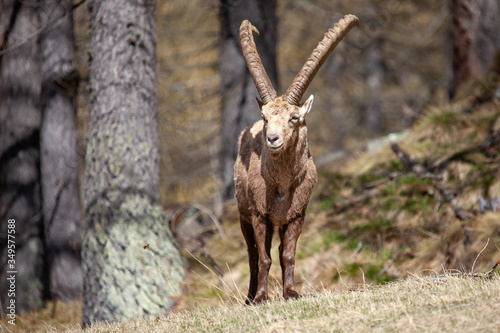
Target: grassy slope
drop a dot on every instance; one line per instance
(447, 304)
(406, 227)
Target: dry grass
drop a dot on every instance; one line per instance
(54, 316)
(404, 229)
(445, 303)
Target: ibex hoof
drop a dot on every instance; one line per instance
(290, 294)
(257, 300)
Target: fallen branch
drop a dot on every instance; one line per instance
(421, 171)
(489, 147)
(357, 198)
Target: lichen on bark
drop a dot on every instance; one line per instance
(131, 281)
(122, 280)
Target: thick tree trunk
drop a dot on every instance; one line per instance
(123, 280)
(20, 155)
(61, 204)
(239, 108)
(475, 35)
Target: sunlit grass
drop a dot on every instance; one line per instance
(445, 303)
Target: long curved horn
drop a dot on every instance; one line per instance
(318, 56)
(254, 63)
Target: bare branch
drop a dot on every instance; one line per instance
(40, 30)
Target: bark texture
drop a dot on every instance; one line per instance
(372, 109)
(475, 36)
(122, 280)
(61, 204)
(20, 197)
(239, 108)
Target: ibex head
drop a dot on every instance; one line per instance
(284, 115)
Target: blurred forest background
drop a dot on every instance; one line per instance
(377, 81)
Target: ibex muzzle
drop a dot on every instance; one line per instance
(274, 172)
(282, 122)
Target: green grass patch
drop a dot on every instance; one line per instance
(374, 225)
(446, 118)
(327, 204)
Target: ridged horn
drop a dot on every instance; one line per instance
(254, 63)
(318, 56)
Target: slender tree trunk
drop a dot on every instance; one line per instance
(20, 155)
(122, 279)
(475, 35)
(61, 204)
(373, 121)
(239, 108)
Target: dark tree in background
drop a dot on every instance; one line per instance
(372, 110)
(123, 277)
(475, 36)
(372, 72)
(59, 171)
(20, 117)
(239, 108)
(38, 187)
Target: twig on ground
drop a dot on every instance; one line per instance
(495, 265)
(475, 260)
(389, 264)
(356, 252)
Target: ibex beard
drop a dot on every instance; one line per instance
(274, 171)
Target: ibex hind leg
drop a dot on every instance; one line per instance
(253, 259)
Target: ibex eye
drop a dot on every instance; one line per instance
(295, 118)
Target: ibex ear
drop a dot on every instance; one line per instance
(306, 107)
(259, 102)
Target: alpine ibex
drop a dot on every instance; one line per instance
(274, 171)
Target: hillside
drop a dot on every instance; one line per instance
(372, 220)
(448, 303)
(375, 217)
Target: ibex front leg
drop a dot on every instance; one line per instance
(289, 234)
(253, 258)
(263, 231)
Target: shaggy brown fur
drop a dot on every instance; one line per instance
(274, 172)
(273, 190)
